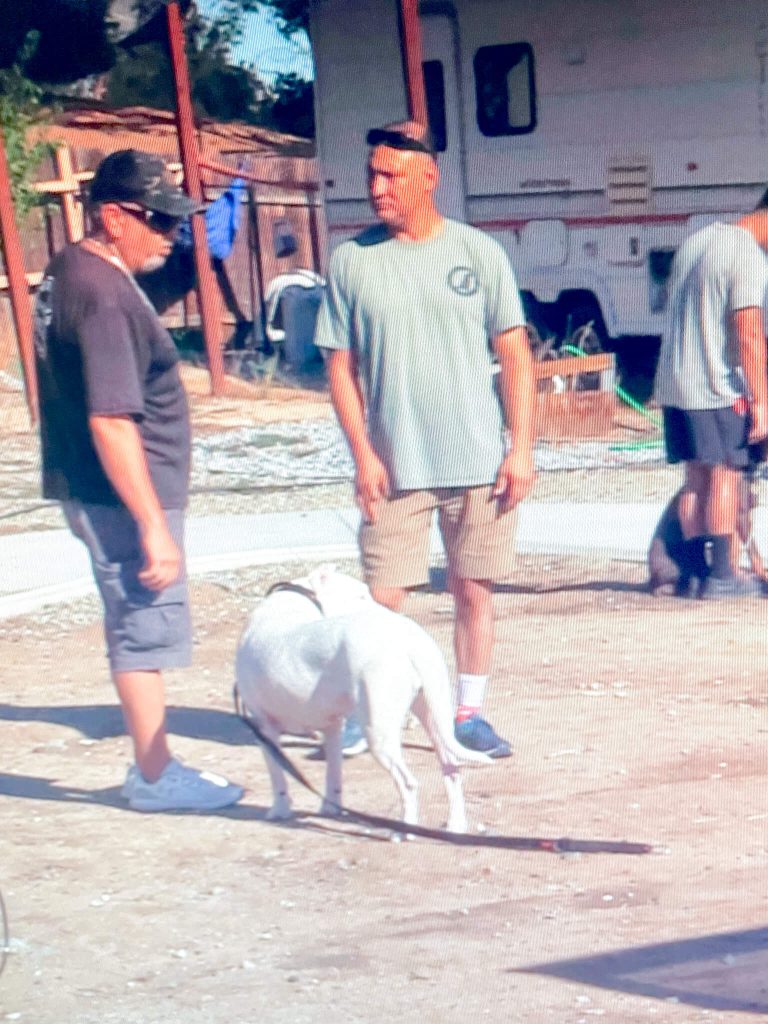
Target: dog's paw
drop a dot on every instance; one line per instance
(402, 837)
(457, 825)
(280, 811)
(329, 809)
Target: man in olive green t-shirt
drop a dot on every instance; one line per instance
(415, 311)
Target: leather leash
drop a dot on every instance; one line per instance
(562, 845)
(296, 588)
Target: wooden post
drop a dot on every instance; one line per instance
(410, 41)
(74, 223)
(207, 288)
(17, 284)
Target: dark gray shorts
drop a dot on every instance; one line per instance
(145, 630)
(715, 437)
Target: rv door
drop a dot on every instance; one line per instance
(440, 46)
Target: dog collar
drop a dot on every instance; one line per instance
(296, 588)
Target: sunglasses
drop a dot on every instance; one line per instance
(162, 223)
(397, 140)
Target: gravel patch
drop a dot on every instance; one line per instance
(276, 466)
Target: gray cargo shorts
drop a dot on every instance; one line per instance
(145, 630)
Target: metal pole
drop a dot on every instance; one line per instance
(17, 283)
(410, 41)
(253, 223)
(207, 288)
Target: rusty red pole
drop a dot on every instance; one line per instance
(207, 288)
(410, 41)
(17, 283)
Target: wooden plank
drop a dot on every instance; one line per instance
(33, 279)
(74, 220)
(572, 365)
(575, 414)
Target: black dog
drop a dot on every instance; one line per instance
(666, 571)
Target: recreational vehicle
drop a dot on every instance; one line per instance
(588, 136)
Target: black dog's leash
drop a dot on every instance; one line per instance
(296, 588)
(562, 845)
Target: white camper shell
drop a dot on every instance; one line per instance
(588, 136)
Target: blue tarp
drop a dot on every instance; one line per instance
(222, 220)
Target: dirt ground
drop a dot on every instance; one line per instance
(632, 719)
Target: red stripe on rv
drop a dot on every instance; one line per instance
(586, 222)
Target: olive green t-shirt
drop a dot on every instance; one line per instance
(421, 317)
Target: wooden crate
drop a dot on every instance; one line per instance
(572, 413)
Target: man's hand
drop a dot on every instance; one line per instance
(162, 558)
(371, 485)
(758, 429)
(514, 479)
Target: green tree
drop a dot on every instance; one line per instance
(19, 111)
(293, 14)
(143, 74)
(292, 108)
(221, 90)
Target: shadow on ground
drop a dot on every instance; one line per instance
(104, 721)
(438, 584)
(726, 971)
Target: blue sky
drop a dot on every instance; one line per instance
(264, 48)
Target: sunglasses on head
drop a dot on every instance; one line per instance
(162, 223)
(396, 140)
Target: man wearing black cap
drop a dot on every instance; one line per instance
(416, 308)
(115, 440)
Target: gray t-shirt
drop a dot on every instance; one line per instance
(717, 270)
(101, 350)
(420, 316)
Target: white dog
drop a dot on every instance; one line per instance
(300, 668)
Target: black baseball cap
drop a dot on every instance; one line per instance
(131, 176)
(401, 138)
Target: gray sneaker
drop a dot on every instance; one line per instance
(126, 792)
(179, 788)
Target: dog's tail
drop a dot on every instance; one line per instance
(433, 705)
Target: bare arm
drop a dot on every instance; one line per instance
(518, 397)
(118, 445)
(750, 333)
(371, 477)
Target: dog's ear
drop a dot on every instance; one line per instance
(320, 576)
(323, 572)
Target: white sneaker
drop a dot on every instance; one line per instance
(179, 788)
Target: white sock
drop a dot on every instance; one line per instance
(469, 696)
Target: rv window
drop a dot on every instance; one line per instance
(506, 95)
(659, 271)
(434, 86)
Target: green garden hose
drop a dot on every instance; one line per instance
(633, 404)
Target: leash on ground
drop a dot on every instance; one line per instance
(5, 935)
(561, 845)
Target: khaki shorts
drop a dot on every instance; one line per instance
(478, 537)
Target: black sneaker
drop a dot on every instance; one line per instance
(477, 734)
(715, 588)
(689, 587)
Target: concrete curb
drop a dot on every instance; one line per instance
(51, 566)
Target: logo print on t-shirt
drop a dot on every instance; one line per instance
(463, 281)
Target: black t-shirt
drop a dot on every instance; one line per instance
(101, 350)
